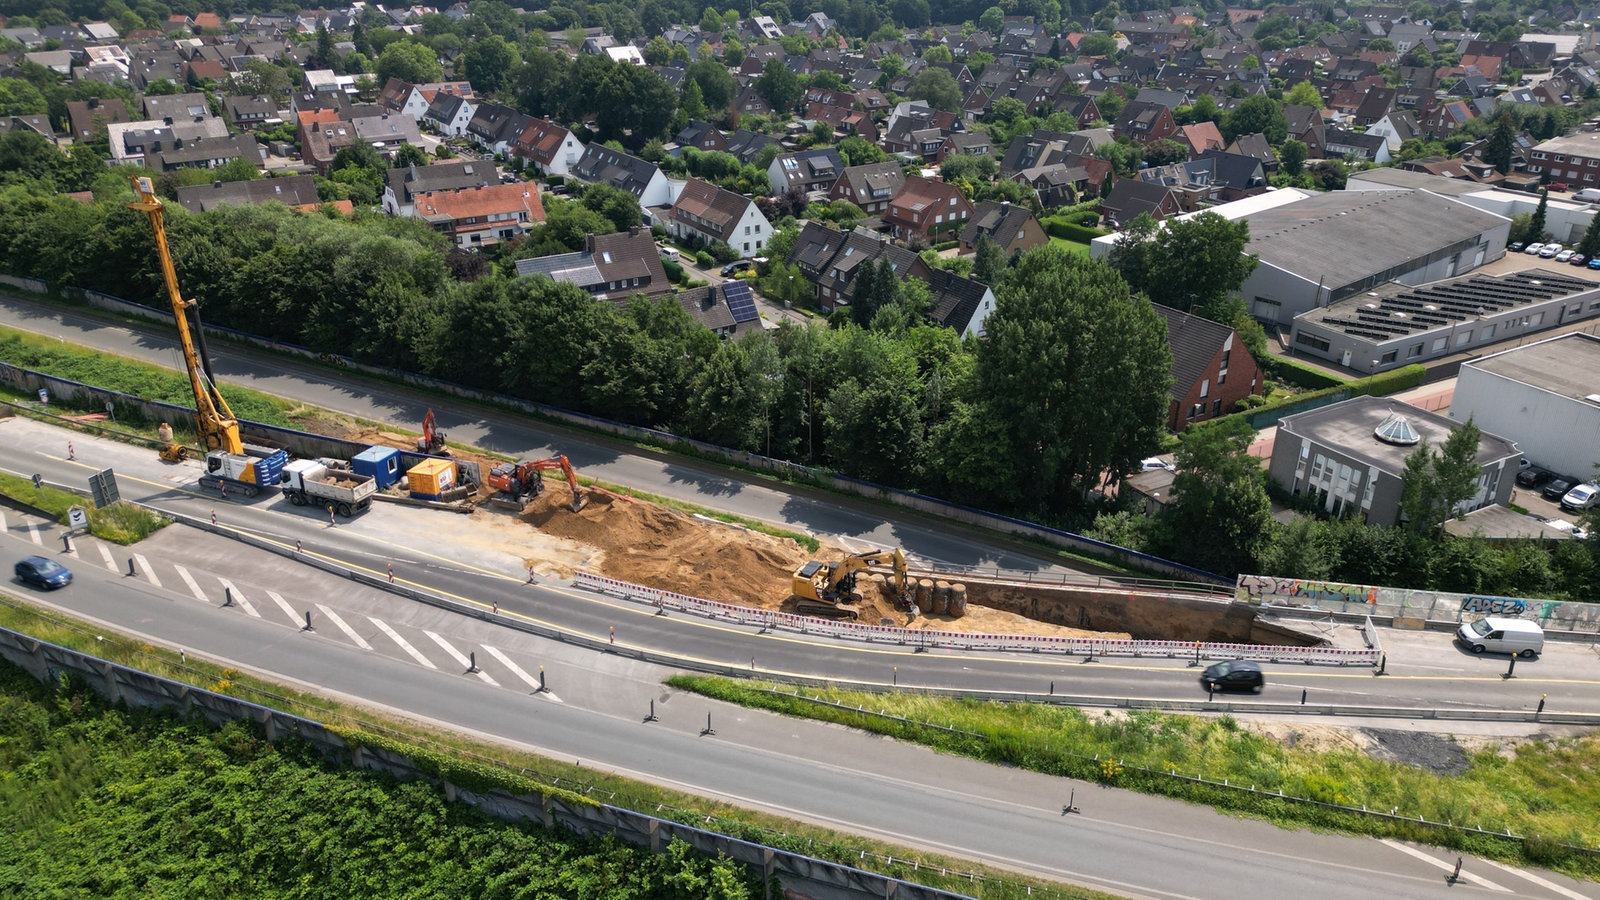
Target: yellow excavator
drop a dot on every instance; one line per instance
(823, 589)
(228, 460)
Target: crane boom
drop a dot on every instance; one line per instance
(217, 427)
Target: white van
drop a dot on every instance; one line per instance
(668, 253)
(1587, 195)
(1519, 637)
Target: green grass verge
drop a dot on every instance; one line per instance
(496, 765)
(1546, 792)
(1078, 247)
(120, 523)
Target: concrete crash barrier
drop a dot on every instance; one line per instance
(953, 640)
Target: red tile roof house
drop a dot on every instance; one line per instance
(484, 215)
(707, 213)
(1211, 369)
(926, 207)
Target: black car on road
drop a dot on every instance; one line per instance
(1234, 675)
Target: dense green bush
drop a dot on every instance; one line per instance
(1069, 231)
(104, 803)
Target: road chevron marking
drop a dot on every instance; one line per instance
(1447, 867)
(239, 598)
(394, 636)
(144, 564)
(1542, 882)
(515, 669)
(105, 553)
(458, 657)
(349, 632)
(193, 588)
(33, 532)
(288, 610)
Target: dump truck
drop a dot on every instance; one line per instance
(823, 589)
(247, 472)
(312, 482)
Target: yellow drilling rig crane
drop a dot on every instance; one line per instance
(228, 461)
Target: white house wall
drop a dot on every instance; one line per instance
(1556, 432)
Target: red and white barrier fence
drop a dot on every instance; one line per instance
(952, 640)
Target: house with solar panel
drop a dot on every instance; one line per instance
(729, 309)
(1348, 458)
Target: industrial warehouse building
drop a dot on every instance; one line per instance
(1546, 396)
(1349, 457)
(1396, 325)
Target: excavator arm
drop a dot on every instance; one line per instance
(218, 429)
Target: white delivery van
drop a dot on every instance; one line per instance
(1587, 195)
(1518, 637)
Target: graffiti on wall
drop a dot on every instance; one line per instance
(1259, 586)
(1494, 606)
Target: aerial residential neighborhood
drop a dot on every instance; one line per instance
(1258, 345)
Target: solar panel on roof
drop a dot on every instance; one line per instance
(741, 302)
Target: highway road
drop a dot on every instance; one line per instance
(378, 649)
(519, 437)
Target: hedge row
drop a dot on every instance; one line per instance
(1067, 231)
(1299, 374)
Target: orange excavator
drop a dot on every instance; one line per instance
(517, 484)
(432, 440)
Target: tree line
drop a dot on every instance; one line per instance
(999, 423)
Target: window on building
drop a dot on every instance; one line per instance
(1216, 407)
(1463, 338)
(1205, 387)
(1310, 340)
(1414, 351)
(1438, 344)
(1388, 357)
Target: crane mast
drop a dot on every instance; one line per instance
(217, 427)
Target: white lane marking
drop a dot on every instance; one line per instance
(288, 610)
(1447, 867)
(193, 588)
(458, 657)
(515, 669)
(105, 553)
(1542, 882)
(402, 642)
(33, 532)
(239, 597)
(149, 572)
(4, 525)
(349, 632)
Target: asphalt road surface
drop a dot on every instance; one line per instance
(374, 647)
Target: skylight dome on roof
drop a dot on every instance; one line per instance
(1396, 429)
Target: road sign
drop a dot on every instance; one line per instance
(77, 518)
(103, 487)
(38, 481)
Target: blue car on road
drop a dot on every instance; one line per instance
(46, 573)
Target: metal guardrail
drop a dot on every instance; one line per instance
(950, 640)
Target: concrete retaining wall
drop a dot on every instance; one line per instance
(808, 876)
(1407, 604)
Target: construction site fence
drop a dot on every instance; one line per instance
(1365, 600)
(952, 640)
(120, 684)
(907, 499)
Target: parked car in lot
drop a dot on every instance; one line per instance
(1234, 675)
(1533, 477)
(1578, 259)
(1594, 263)
(1533, 249)
(1514, 247)
(1581, 497)
(737, 266)
(1557, 487)
(1563, 256)
(1548, 251)
(43, 572)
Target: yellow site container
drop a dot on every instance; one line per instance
(431, 478)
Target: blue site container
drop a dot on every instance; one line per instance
(382, 463)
